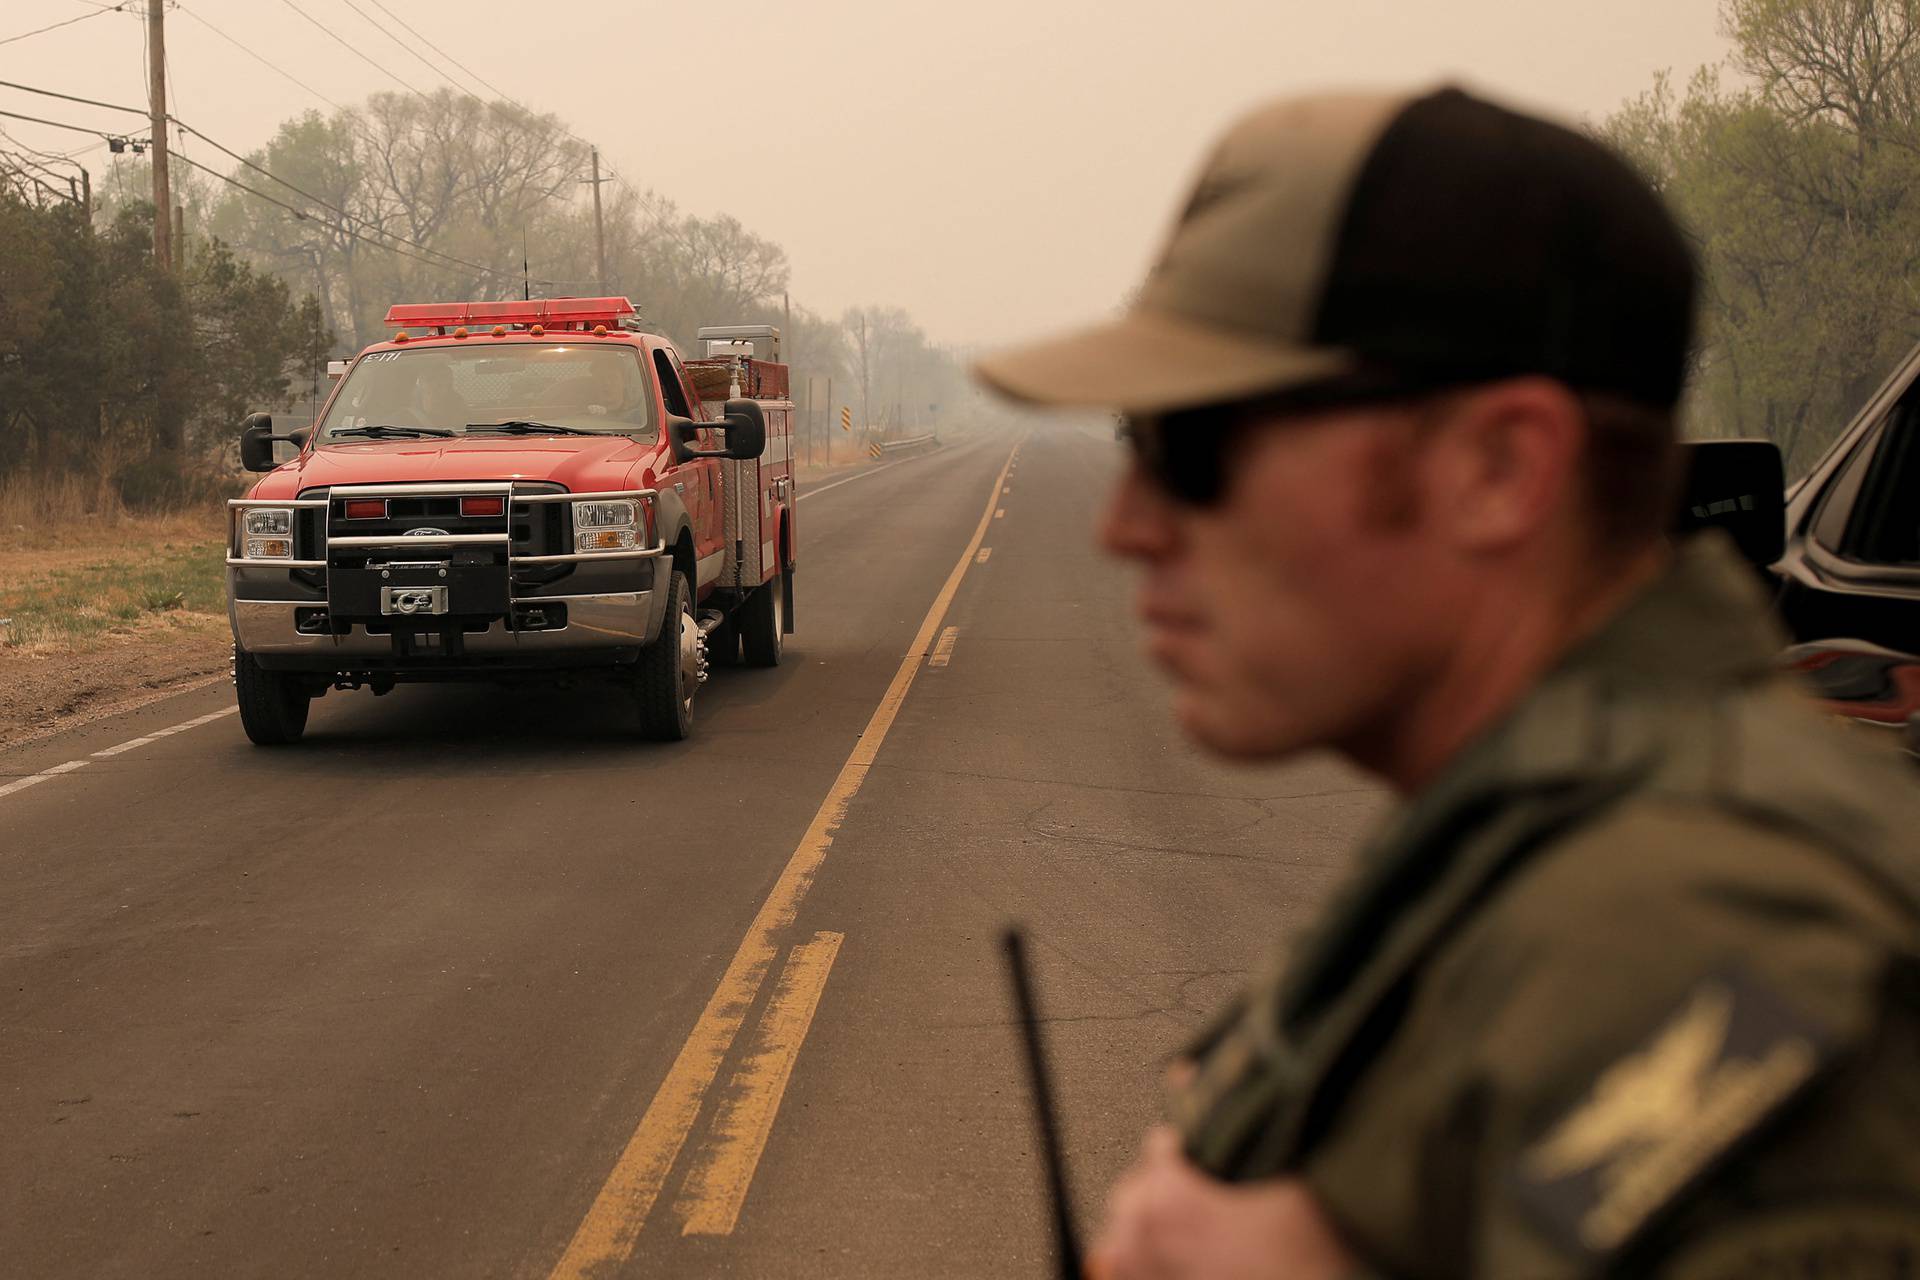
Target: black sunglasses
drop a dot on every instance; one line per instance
(1188, 453)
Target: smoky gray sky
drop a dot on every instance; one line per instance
(997, 167)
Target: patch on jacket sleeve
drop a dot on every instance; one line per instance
(1659, 1118)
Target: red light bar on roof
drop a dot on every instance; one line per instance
(553, 312)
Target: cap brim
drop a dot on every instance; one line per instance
(1150, 362)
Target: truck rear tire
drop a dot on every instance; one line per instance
(763, 622)
(669, 669)
(273, 704)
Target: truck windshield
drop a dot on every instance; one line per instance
(461, 390)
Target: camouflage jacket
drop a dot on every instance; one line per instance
(1632, 989)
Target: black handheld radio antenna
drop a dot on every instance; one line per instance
(1067, 1252)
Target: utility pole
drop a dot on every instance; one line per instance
(866, 379)
(599, 223)
(157, 113)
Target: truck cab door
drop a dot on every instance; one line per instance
(1851, 568)
(700, 477)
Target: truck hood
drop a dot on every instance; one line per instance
(583, 464)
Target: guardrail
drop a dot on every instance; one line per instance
(898, 448)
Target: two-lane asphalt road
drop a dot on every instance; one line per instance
(472, 983)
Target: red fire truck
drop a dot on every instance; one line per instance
(514, 491)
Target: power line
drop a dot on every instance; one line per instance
(483, 81)
(425, 254)
(32, 158)
(349, 232)
(261, 59)
(614, 174)
(450, 58)
(461, 89)
(47, 155)
(234, 155)
(68, 97)
(22, 160)
(335, 37)
(350, 218)
(55, 124)
(38, 31)
(406, 48)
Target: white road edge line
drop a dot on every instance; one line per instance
(871, 471)
(34, 779)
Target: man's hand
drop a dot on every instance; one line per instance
(1166, 1220)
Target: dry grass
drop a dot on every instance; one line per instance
(77, 566)
(81, 598)
(83, 511)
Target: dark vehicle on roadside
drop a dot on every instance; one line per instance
(1845, 562)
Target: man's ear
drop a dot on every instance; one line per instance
(1508, 463)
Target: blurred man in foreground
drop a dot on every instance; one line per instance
(1629, 984)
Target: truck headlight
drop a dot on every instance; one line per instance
(269, 533)
(611, 525)
(270, 520)
(621, 513)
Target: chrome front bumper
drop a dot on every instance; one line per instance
(611, 620)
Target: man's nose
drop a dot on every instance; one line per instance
(1139, 521)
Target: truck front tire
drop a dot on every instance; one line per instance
(669, 669)
(763, 622)
(273, 704)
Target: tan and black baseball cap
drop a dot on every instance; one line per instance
(1438, 237)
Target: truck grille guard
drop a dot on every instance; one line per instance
(502, 538)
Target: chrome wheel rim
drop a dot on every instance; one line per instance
(689, 658)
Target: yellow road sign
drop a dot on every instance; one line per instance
(846, 418)
(876, 450)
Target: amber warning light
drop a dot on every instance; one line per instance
(550, 313)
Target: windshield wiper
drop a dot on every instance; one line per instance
(387, 433)
(527, 427)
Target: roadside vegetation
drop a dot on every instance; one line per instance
(77, 564)
(94, 592)
(1796, 167)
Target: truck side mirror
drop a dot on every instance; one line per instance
(746, 429)
(256, 442)
(680, 434)
(1739, 486)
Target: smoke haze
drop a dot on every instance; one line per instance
(998, 168)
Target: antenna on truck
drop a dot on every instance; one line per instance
(1066, 1240)
(526, 272)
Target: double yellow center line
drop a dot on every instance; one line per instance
(712, 1199)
